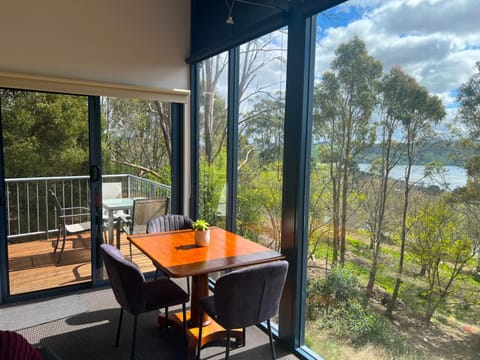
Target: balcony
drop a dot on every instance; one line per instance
(33, 228)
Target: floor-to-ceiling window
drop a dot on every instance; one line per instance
(260, 137)
(213, 139)
(393, 210)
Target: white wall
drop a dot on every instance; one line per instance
(135, 42)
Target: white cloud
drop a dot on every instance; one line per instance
(437, 42)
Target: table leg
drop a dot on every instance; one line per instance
(211, 331)
(110, 226)
(199, 290)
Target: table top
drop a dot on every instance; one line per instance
(176, 254)
(118, 203)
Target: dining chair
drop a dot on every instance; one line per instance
(170, 222)
(245, 297)
(13, 346)
(69, 221)
(142, 211)
(137, 296)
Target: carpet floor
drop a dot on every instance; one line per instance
(88, 333)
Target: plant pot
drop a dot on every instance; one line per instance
(202, 238)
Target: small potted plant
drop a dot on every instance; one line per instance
(202, 233)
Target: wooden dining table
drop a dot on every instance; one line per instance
(177, 255)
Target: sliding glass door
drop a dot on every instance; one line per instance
(47, 190)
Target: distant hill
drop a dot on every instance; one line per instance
(453, 153)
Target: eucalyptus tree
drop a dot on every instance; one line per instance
(260, 169)
(418, 112)
(394, 93)
(254, 56)
(469, 98)
(345, 100)
(469, 114)
(137, 137)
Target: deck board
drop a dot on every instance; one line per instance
(32, 265)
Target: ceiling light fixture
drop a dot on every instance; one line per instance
(230, 8)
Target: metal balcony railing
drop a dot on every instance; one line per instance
(31, 213)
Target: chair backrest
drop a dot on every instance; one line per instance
(56, 202)
(169, 223)
(13, 346)
(112, 190)
(145, 209)
(250, 295)
(59, 211)
(126, 279)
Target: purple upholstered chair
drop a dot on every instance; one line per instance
(169, 222)
(137, 296)
(14, 346)
(246, 297)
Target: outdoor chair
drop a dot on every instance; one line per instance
(169, 223)
(136, 296)
(143, 210)
(245, 297)
(70, 220)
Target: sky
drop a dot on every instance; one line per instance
(435, 41)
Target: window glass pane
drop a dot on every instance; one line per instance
(136, 150)
(393, 225)
(213, 139)
(260, 148)
(46, 148)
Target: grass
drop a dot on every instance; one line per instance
(462, 306)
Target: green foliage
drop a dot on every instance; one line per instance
(343, 313)
(469, 98)
(361, 327)
(440, 247)
(136, 138)
(200, 225)
(213, 188)
(336, 289)
(44, 134)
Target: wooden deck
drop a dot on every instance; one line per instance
(32, 265)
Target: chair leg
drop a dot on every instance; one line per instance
(118, 231)
(188, 286)
(185, 329)
(58, 240)
(167, 320)
(244, 335)
(63, 246)
(227, 344)
(199, 345)
(117, 339)
(272, 348)
(132, 354)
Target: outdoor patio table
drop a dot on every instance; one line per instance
(112, 205)
(176, 254)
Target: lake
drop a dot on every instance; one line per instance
(455, 176)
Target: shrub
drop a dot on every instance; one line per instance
(339, 287)
(343, 313)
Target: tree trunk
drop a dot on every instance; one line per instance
(403, 236)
